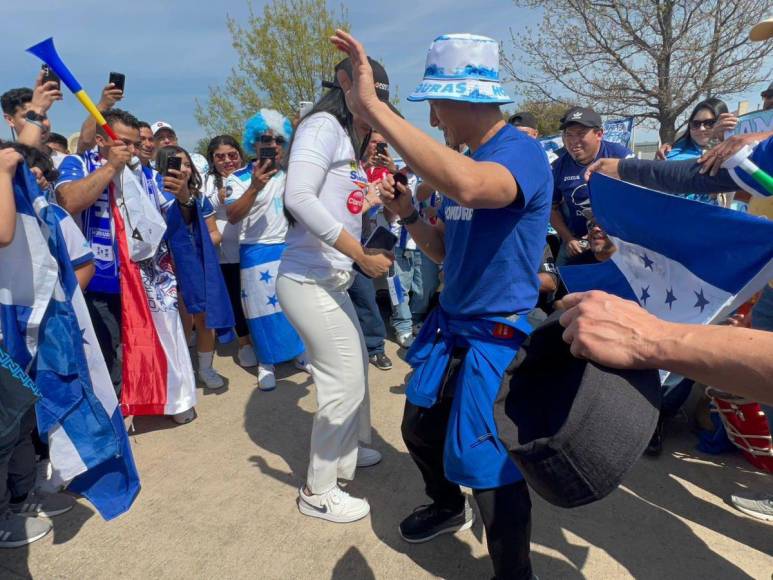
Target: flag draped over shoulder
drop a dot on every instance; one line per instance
(682, 260)
(47, 329)
(198, 271)
(157, 372)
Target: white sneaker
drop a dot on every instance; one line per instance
(334, 506)
(266, 378)
(302, 363)
(210, 378)
(405, 340)
(246, 357)
(367, 457)
(45, 480)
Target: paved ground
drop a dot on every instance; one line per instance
(218, 501)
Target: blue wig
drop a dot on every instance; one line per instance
(261, 122)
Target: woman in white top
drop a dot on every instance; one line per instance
(326, 194)
(224, 156)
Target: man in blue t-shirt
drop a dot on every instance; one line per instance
(82, 189)
(583, 138)
(490, 238)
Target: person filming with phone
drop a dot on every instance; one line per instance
(254, 201)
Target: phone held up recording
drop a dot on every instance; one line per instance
(50, 76)
(170, 163)
(118, 80)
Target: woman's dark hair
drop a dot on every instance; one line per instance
(715, 106)
(334, 103)
(162, 157)
(214, 143)
(34, 158)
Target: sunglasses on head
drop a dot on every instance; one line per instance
(266, 139)
(708, 123)
(231, 155)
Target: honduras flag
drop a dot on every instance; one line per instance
(273, 337)
(47, 329)
(682, 260)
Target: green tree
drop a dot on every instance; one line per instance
(283, 56)
(201, 146)
(652, 59)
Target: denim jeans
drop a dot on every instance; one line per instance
(419, 279)
(363, 295)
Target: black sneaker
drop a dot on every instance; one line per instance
(380, 361)
(429, 521)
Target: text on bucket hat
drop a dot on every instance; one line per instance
(462, 67)
(574, 428)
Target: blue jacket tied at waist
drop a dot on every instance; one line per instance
(473, 454)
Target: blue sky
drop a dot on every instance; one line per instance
(171, 50)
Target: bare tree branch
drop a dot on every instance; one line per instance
(652, 59)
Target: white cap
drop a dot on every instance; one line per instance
(158, 125)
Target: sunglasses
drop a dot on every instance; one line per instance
(231, 155)
(708, 123)
(266, 139)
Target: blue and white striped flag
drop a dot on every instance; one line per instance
(46, 328)
(683, 260)
(273, 337)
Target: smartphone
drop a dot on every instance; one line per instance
(118, 79)
(172, 163)
(381, 148)
(380, 239)
(268, 153)
(399, 178)
(49, 75)
(304, 107)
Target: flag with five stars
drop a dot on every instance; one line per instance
(683, 260)
(47, 330)
(273, 337)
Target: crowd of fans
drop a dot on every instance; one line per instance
(286, 208)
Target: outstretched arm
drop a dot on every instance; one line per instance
(620, 334)
(470, 183)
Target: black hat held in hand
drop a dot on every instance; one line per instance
(574, 428)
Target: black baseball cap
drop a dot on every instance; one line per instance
(379, 76)
(581, 116)
(767, 92)
(574, 428)
(523, 119)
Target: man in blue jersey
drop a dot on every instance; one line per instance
(583, 139)
(490, 239)
(82, 189)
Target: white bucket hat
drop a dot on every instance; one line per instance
(462, 67)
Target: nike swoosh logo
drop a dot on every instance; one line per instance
(322, 510)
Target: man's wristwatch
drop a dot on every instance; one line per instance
(33, 116)
(35, 119)
(411, 219)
